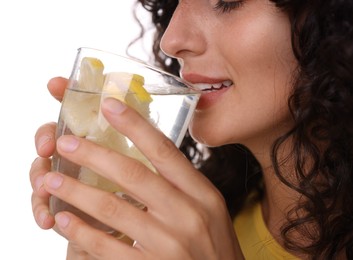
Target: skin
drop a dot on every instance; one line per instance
(162, 218)
(251, 47)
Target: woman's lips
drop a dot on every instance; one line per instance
(211, 88)
(208, 98)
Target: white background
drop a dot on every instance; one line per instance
(38, 40)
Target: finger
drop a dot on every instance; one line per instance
(97, 244)
(39, 168)
(136, 180)
(160, 150)
(132, 176)
(103, 206)
(45, 140)
(40, 197)
(57, 86)
(41, 212)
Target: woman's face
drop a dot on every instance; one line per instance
(242, 57)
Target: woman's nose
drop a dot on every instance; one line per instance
(184, 35)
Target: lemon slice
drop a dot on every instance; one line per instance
(136, 87)
(128, 88)
(79, 112)
(137, 97)
(91, 76)
(80, 109)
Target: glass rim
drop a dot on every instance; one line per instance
(142, 63)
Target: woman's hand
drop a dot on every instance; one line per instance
(186, 217)
(45, 146)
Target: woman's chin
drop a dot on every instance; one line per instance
(204, 137)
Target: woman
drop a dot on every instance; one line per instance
(275, 122)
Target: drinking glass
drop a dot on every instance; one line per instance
(163, 99)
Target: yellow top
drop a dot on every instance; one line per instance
(256, 242)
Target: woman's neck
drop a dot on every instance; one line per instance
(278, 201)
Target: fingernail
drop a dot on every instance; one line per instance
(68, 143)
(62, 220)
(43, 217)
(53, 180)
(114, 106)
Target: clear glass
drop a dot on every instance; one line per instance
(163, 99)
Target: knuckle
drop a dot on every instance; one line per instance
(35, 163)
(198, 221)
(199, 224)
(109, 207)
(215, 201)
(97, 247)
(173, 246)
(201, 216)
(39, 166)
(77, 233)
(166, 149)
(76, 252)
(35, 167)
(134, 172)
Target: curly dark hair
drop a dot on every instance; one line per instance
(322, 108)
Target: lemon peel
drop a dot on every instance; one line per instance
(136, 86)
(128, 88)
